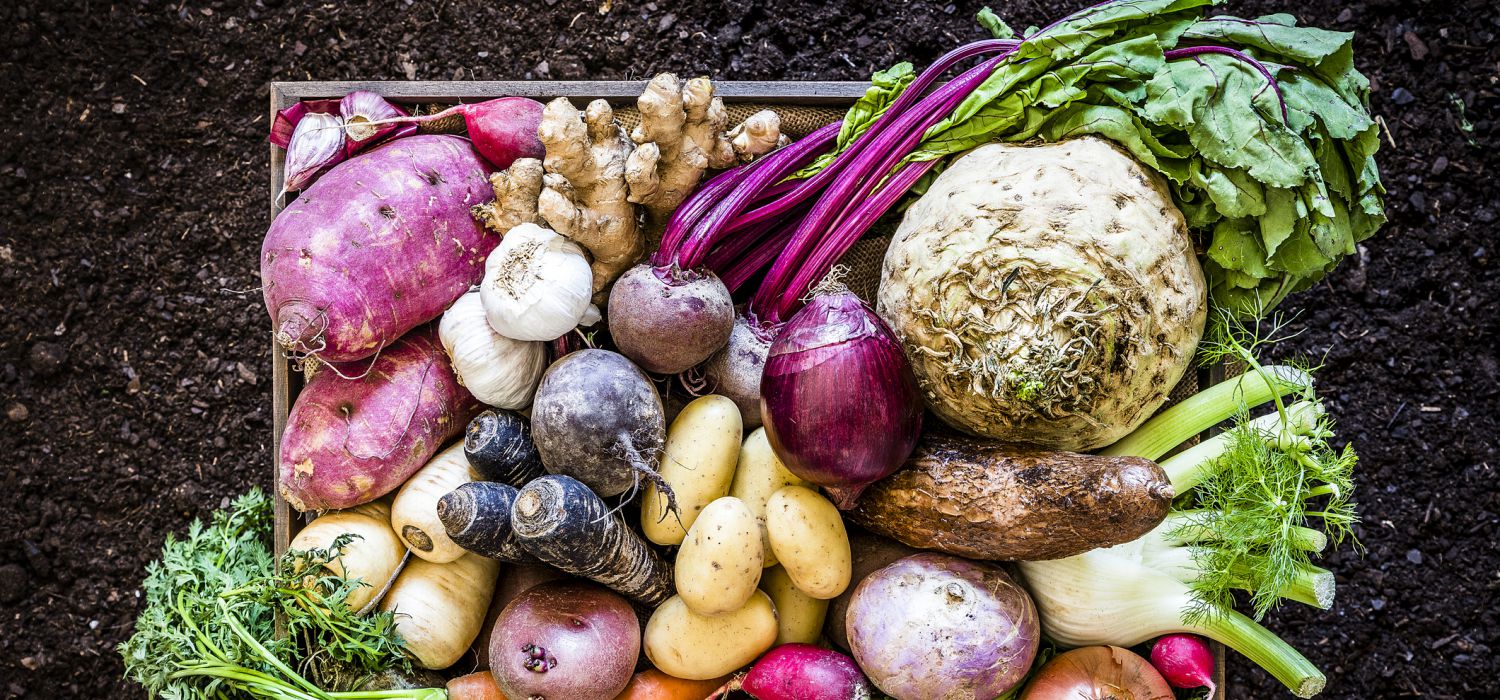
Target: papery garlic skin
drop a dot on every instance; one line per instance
(317, 143)
(497, 370)
(537, 285)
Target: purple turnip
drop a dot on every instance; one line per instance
(565, 641)
(936, 626)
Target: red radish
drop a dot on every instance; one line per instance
(502, 129)
(1186, 661)
(801, 672)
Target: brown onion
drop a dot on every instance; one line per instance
(838, 397)
(1098, 673)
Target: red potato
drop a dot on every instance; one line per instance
(351, 441)
(515, 579)
(379, 245)
(565, 640)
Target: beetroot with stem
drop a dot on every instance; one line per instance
(735, 370)
(668, 319)
(801, 672)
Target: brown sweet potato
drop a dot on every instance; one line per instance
(987, 500)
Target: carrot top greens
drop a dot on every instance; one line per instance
(209, 626)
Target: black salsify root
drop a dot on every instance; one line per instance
(644, 471)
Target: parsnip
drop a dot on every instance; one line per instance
(698, 464)
(440, 608)
(372, 557)
(414, 515)
(759, 474)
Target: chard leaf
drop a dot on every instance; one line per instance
(1073, 35)
(1272, 35)
(1205, 96)
(1234, 193)
(1280, 218)
(994, 25)
(885, 87)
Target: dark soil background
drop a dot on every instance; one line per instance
(134, 378)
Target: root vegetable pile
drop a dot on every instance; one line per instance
(592, 411)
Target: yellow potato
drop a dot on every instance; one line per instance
(719, 563)
(684, 644)
(698, 463)
(807, 534)
(760, 474)
(799, 617)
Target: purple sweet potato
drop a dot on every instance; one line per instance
(352, 440)
(379, 245)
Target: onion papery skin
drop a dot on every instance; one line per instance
(838, 397)
(668, 319)
(1098, 673)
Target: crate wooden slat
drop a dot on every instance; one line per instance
(285, 383)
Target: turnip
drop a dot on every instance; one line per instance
(380, 244)
(597, 418)
(351, 441)
(1046, 295)
(934, 626)
(567, 640)
(735, 370)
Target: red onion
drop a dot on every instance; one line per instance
(1186, 661)
(801, 672)
(1098, 673)
(838, 397)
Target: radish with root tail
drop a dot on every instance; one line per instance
(502, 129)
(597, 418)
(380, 244)
(352, 440)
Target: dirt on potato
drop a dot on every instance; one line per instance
(134, 352)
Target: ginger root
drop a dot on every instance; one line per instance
(516, 192)
(583, 192)
(594, 174)
(682, 134)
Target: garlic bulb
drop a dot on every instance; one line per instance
(498, 371)
(537, 285)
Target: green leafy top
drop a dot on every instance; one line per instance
(208, 630)
(1279, 179)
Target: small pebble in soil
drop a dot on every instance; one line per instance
(1402, 96)
(14, 583)
(16, 412)
(1414, 556)
(47, 358)
(1378, 604)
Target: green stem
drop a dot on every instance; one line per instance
(1190, 467)
(1192, 526)
(1268, 651)
(1206, 409)
(1313, 586)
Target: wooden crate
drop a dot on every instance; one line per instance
(285, 383)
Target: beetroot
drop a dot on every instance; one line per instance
(802, 672)
(667, 319)
(352, 440)
(735, 370)
(380, 244)
(567, 640)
